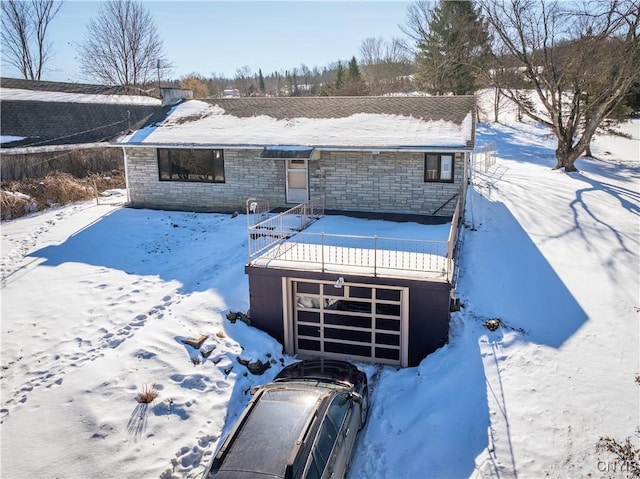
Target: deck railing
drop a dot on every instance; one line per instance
(484, 157)
(275, 229)
(280, 241)
(362, 254)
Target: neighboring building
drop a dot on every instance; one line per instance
(43, 114)
(65, 127)
(387, 302)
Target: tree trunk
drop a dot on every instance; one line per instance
(566, 156)
(588, 150)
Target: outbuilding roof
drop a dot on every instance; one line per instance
(317, 122)
(41, 114)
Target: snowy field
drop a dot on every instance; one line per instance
(96, 301)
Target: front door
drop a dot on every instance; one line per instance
(297, 181)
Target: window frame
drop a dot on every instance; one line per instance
(439, 178)
(216, 167)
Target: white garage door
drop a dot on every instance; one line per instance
(356, 321)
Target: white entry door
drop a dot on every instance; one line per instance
(297, 181)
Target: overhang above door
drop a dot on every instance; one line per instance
(290, 152)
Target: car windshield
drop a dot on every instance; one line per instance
(266, 440)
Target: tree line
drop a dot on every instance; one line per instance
(572, 66)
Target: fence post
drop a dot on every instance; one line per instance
(375, 256)
(322, 250)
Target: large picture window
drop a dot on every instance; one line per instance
(182, 164)
(438, 167)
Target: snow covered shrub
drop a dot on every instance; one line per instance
(148, 394)
(54, 189)
(16, 204)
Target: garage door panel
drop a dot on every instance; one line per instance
(309, 345)
(388, 294)
(359, 292)
(348, 335)
(309, 316)
(344, 320)
(331, 290)
(348, 349)
(388, 339)
(388, 309)
(358, 321)
(387, 324)
(349, 305)
(305, 330)
(390, 354)
(308, 287)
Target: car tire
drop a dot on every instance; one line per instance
(364, 407)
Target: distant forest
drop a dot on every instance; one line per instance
(385, 67)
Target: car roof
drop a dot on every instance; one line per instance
(322, 369)
(263, 444)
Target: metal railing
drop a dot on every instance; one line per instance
(484, 157)
(257, 211)
(363, 254)
(280, 241)
(275, 229)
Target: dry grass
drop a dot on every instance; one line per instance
(221, 335)
(54, 189)
(148, 394)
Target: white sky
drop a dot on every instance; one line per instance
(219, 37)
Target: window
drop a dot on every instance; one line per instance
(328, 434)
(438, 167)
(176, 164)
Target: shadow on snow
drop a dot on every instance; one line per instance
(185, 247)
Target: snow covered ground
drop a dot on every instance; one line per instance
(96, 301)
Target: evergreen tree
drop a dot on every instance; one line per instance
(261, 85)
(452, 41)
(338, 81)
(354, 84)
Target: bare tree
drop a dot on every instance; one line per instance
(579, 63)
(122, 46)
(24, 35)
(243, 80)
(386, 65)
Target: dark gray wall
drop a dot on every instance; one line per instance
(428, 306)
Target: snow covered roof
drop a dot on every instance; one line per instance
(409, 122)
(40, 114)
(63, 87)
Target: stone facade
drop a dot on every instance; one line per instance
(246, 175)
(386, 182)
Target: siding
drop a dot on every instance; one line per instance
(388, 182)
(245, 176)
(428, 322)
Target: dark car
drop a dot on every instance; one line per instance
(301, 425)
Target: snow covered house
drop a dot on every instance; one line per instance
(356, 155)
